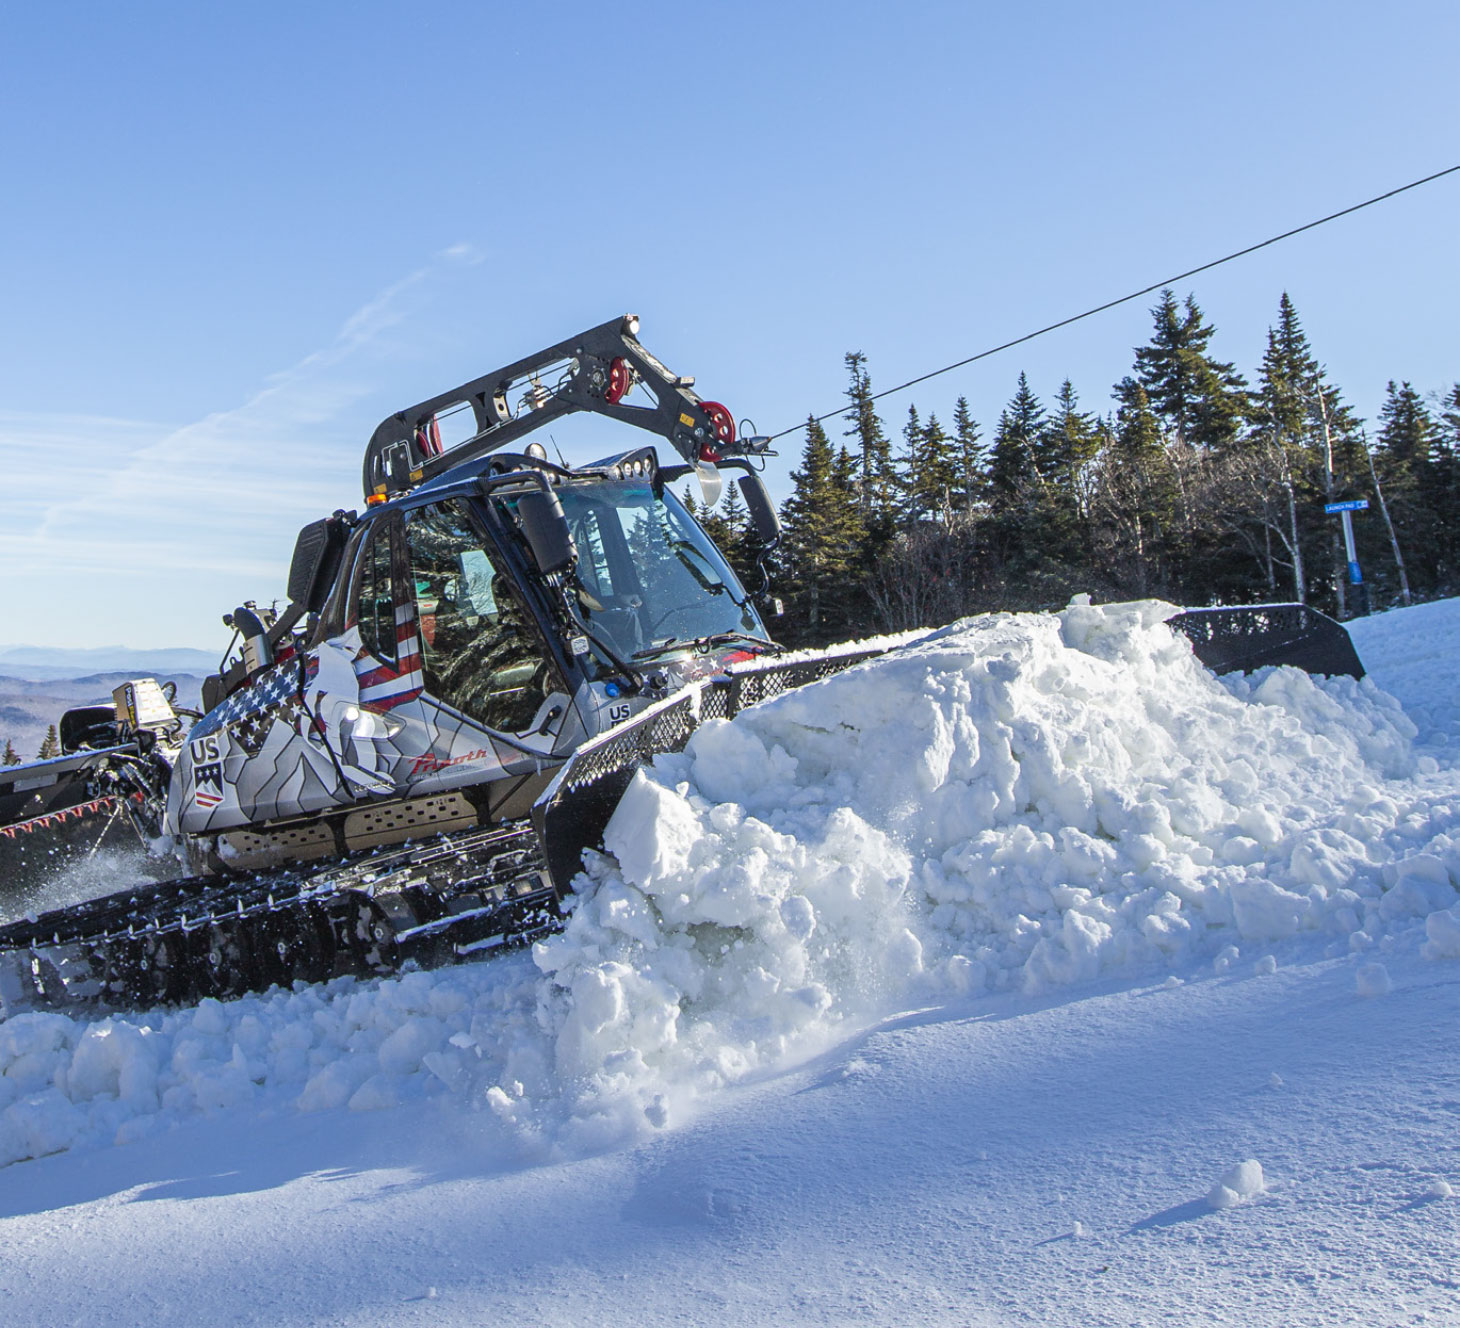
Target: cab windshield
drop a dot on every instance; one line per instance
(649, 579)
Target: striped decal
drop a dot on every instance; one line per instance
(383, 686)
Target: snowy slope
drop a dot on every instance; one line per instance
(943, 991)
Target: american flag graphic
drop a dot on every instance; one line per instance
(265, 692)
(382, 686)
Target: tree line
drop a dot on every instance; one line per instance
(1195, 485)
(50, 746)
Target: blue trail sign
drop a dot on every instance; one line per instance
(1346, 512)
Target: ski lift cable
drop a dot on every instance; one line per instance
(1124, 299)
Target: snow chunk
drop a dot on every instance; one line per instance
(1443, 931)
(1373, 980)
(1242, 1182)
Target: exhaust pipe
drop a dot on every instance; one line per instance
(258, 654)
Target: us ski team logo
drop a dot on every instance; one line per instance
(207, 773)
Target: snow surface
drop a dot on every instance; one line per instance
(949, 989)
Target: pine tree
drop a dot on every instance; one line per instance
(823, 532)
(50, 747)
(1309, 441)
(1199, 399)
(1013, 470)
(900, 486)
(972, 464)
(711, 519)
(1067, 444)
(1409, 448)
(11, 757)
(735, 523)
(876, 496)
(1287, 385)
(933, 475)
(1445, 491)
(1409, 433)
(1450, 421)
(1135, 500)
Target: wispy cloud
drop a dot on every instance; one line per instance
(137, 532)
(463, 252)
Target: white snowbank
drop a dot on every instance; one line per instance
(1016, 802)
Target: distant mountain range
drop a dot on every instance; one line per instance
(47, 663)
(38, 682)
(29, 706)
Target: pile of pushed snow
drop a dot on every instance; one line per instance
(1040, 798)
(1015, 802)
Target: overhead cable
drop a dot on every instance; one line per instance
(1125, 299)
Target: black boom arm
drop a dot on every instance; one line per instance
(595, 371)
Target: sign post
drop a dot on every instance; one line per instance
(1346, 512)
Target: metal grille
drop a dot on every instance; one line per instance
(664, 729)
(574, 812)
(1232, 639)
(754, 686)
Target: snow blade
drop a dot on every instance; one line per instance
(1237, 640)
(575, 809)
(52, 812)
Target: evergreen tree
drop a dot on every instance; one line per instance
(50, 747)
(1137, 435)
(1135, 502)
(1409, 453)
(1450, 421)
(973, 481)
(823, 533)
(1409, 436)
(1067, 444)
(1299, 421)
(1013, 471)
(1445, 491)
(1287, 384)
(902, 477)
(876, 491)
(735, 523)
(11, 757)
(933, 475)
(712, 519)
(1199, 399)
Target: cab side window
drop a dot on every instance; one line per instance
(375, 603)
(479, 647)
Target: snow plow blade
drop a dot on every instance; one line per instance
(1233, 640)
(575, 809)
(52, 813)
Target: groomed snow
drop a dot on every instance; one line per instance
(1057, 823)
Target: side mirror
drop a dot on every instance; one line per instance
(316, 560)
(546, 529)
(762, 512)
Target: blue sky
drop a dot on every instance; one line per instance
(234, 238)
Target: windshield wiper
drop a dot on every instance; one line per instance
(671, 643)
(726, 638)
(706, 643)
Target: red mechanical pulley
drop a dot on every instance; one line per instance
(428, 439)
(620, 379)
(722, 421)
